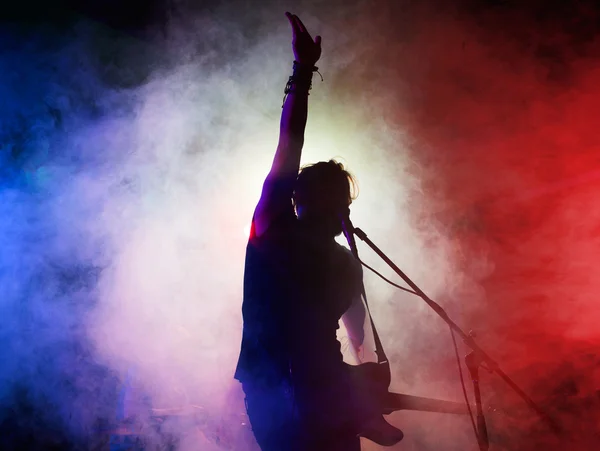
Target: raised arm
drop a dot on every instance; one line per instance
(278, 186)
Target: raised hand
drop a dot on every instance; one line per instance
(306, 50)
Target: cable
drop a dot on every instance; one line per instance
(384, 278)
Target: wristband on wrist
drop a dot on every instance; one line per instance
(301, 79)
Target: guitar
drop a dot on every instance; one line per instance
(374, 379)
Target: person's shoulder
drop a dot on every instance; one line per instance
(349, 258)
(344, 250)
(284, 230)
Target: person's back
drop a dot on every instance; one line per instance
(297, 286)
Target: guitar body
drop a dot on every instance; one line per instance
(372, 378)
(371, 382)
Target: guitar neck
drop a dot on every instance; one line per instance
(399, 401)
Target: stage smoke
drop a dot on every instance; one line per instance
(131, 164)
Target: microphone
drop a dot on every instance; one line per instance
(348, 229)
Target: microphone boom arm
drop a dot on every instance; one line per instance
(492, 366)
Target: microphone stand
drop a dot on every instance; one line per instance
(473, 360)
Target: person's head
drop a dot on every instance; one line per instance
(322, 192)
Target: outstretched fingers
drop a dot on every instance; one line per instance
(293, 23)
(297, 25)
(301, 26)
